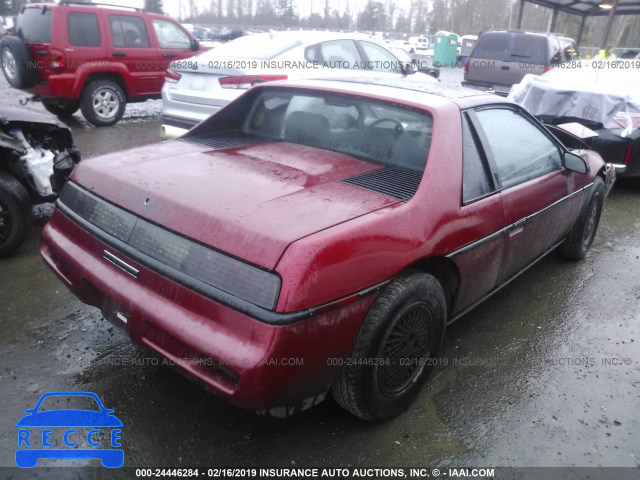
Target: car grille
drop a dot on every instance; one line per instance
(397, 183)
(185, 261)
(225, 140)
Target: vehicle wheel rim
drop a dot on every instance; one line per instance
(6, 223)
(9, 63)
(105, 103)
(590, 226)
(405, 350)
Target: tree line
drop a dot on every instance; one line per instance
(421, 17)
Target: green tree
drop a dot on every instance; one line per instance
(373, 17)
(154, 6)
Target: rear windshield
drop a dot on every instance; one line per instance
(34, 25)
(511, 47)
(261, 46)
(379, 132)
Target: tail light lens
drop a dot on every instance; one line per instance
(171, 76)
(466, 65)
(57, 63)
(547, 68)
(627, 156)
(247, 81)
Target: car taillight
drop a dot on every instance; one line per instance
(246, 81)
(547, 68)
(171, 76)
(627, 157)
(57, 60)
(466, 65)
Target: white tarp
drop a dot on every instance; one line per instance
(610, 96)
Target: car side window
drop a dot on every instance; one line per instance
(380, 59)
(476, 179)
(520, 150)
(83, 30)
(170, 35)
(339, 53)
(128, 32)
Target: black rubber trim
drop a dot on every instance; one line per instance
(242, 306)
(178, 122)
(516, 224)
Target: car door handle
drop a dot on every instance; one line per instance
(168, 55)
(42, 52)
(119, 54)
(517, 227)
(505, 67)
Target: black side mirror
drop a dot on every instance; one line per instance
(195, 45)
(409, 68)
(575, 163)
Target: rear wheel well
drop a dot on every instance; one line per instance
(446, 272)
(114, 77)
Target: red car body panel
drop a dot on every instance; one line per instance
(334, 248)
(141, 70)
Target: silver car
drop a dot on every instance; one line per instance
(197, 87)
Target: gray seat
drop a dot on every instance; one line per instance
(307, 128)
(408, 153)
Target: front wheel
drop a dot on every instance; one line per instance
(583, 232)
(15, 214)
(103, 103)
(395, 349)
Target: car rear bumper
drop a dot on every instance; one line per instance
(60, 86)
(252, 364)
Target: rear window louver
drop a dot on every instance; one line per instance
(397, 183)
(225, 140)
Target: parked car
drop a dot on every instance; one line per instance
(467, 42)
(80, 56)
(603, 100)
(37, 155)
(194, 90)
(320, 235)
(500, 59)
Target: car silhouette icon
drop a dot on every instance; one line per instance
(28, 456)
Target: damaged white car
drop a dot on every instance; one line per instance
(37, 156)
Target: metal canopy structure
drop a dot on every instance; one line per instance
(584, 9)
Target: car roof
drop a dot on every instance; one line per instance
(89, 7)
(405, 90)
(307, 37)
(529, 32)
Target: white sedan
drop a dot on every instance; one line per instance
(198, 87)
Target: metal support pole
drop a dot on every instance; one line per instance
(612, 14)
(520, 13)
(584, 18)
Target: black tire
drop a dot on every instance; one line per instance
(392, 355)
(581, 237)
(15, 214)
(61, 109)
(103, 103)
(15, 59)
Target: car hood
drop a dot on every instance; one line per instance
(69, 418)
(251, 202)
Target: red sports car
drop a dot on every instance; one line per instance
(318, 236)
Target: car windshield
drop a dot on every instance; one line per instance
(380, 132)
(69, 402)
(262, 46)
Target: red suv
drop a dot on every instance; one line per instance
(78, 56)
